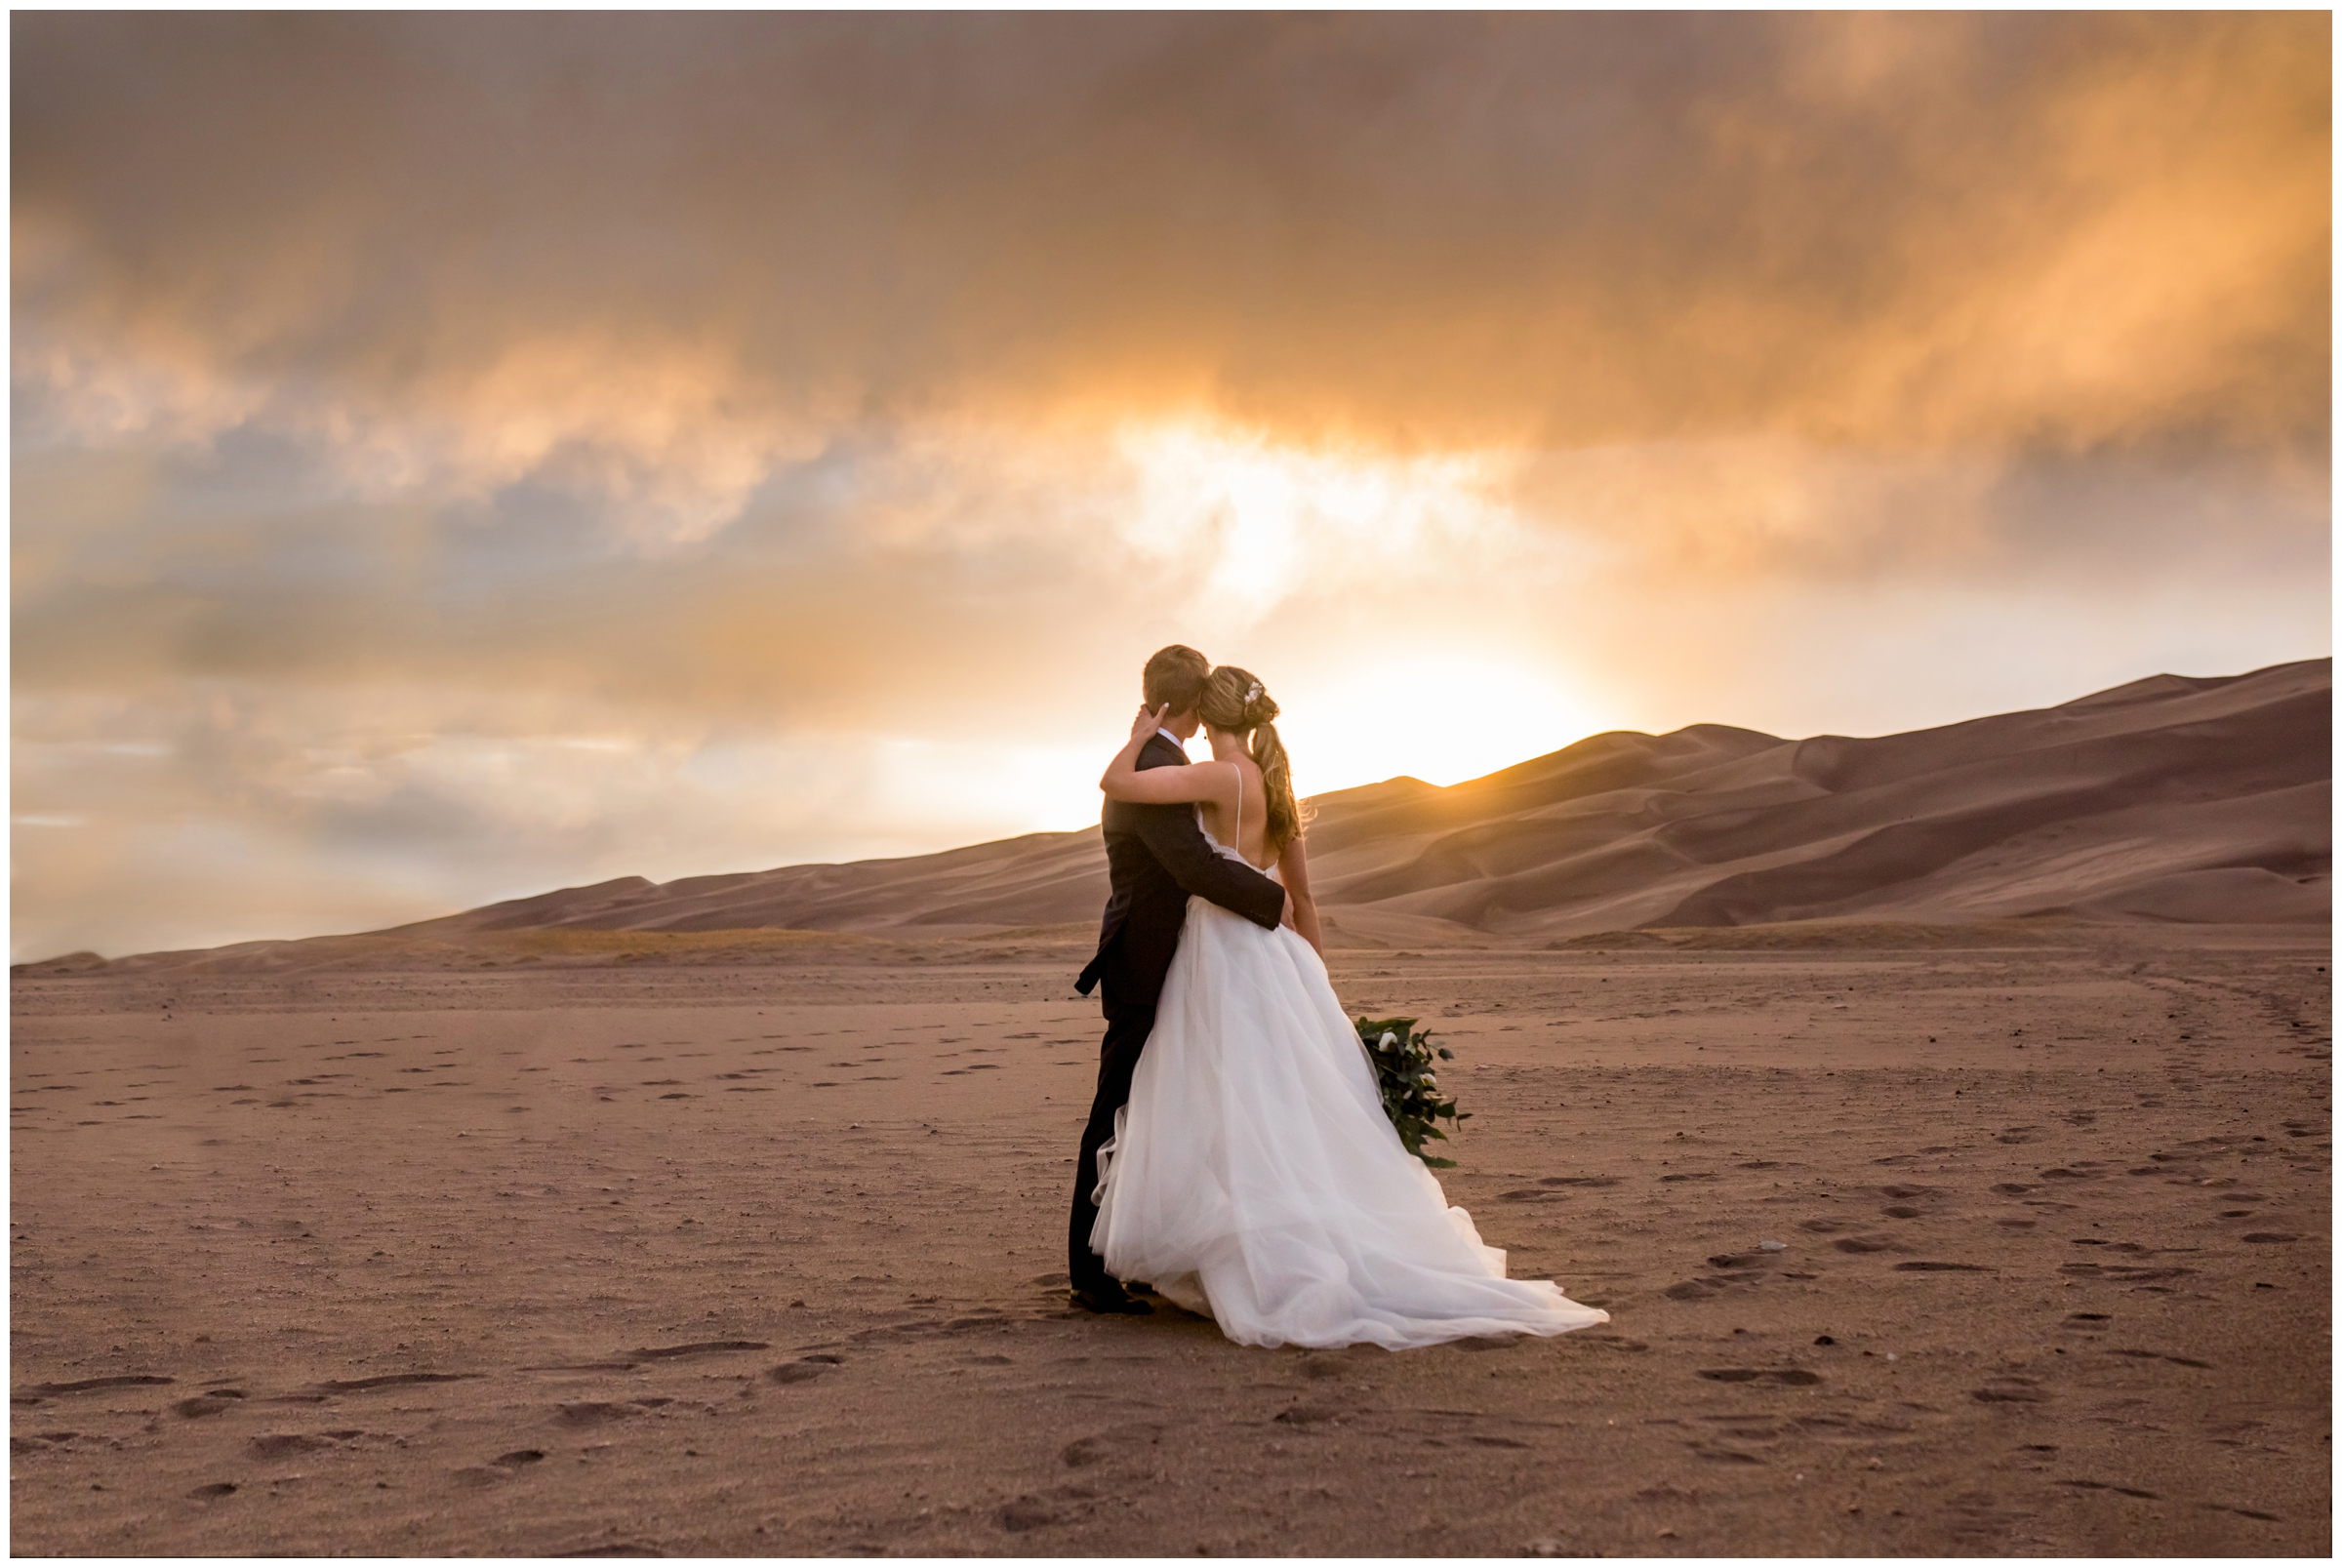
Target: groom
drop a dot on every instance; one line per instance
(1155, 856)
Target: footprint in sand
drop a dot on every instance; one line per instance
(1862, 1244)
(1706, 1285)
(135, 1380)
(1311, 1414)
(2121, 1273)
(615, 1549)
(390, 1379)
(1793, 1376)
(2157, 1355)
(595, 1413)
(669, 1353)
(1717, 1452)
(804, 1369)
(1024, 1514)
(2127, 1491)
(2009, 1391)
(1115, 1443)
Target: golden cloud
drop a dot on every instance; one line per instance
(693, 239)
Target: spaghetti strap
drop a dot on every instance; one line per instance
(1237, 848)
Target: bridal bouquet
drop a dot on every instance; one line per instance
(1402, 1055)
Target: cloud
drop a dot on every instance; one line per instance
(457, 454)
(641, 269)
(639, 231)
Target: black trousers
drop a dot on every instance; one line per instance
(1118, 1054)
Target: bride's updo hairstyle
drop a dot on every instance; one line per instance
(1234, 700)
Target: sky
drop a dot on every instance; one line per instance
(458, 456)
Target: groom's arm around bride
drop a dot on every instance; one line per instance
(1157, 855)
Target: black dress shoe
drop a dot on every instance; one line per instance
(1110, 1298)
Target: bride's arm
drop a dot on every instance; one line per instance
(1123, 779)
(1293, 866)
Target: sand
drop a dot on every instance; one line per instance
(713, 1259)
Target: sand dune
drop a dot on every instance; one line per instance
(2167, 799)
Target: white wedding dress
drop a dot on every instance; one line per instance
(1254, 1177)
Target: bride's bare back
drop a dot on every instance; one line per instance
(1250, 837)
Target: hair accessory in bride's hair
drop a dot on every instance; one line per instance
(1253, 694)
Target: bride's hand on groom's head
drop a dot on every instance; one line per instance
(1149, 720)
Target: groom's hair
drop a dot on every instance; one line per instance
(1175, 677)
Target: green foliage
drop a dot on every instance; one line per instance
(1403, 1057)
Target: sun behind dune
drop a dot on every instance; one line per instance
(1438, 715)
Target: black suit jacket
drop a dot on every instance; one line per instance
(1155, 856)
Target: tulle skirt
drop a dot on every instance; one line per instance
(1254, 1177)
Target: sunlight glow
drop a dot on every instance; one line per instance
(1441, 717)
(1257, 522)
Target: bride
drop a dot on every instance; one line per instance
(1253, 1176)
